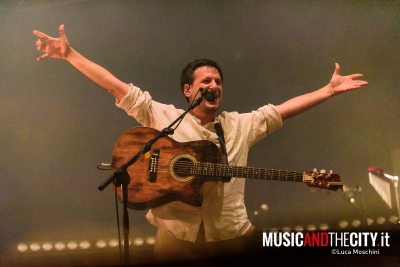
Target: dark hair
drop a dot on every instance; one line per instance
(187, 76)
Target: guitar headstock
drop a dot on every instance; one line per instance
(330, 181)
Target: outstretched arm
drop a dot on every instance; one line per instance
(60, 48)
(338, 84)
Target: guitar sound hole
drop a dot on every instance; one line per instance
(182, 167)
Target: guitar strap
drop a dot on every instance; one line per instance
(221, 139)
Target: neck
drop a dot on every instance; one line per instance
(203, 117)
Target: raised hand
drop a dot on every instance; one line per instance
(340, 84)
(52, 47)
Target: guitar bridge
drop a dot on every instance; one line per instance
(153, 165)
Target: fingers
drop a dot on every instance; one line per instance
(41, 42)
(360, 83)
(40, 46)
(355, 76)
(352, 76)
(41, 34)
(42, 57)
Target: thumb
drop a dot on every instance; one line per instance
(61, 31)
(337, 69)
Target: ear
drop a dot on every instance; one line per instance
(186, 90)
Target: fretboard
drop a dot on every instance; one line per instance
(220, 170)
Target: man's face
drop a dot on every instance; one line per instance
(208, 78)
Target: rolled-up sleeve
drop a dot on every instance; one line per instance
(138, 104)
(263, 121)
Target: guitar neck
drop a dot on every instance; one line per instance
(220, 170)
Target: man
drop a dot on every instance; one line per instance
(221, 224)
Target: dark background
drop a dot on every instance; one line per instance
(56, 125)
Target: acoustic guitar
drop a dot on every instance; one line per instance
(175, 171)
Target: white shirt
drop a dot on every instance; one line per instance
(223, 210)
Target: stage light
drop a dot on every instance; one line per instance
(286, 229)
(59, 246)
(151, 240)
(84, 245)
(343, 224)
(34, 247)
(380, 220)
(101, 244)
(311, 227)
(22, 247)
(138, 241)
(356, 223)
(299, 228)
(72, 245)
(324, 227)
(369, 221)
(113, 243)
(264, 207)
(47, 246)
(393, 219)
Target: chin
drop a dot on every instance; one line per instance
(212, 107)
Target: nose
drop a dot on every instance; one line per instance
(213, 85)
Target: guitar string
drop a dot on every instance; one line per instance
(206, 165)
(297, 177)
(204, 168)
(210, 166)
(190, 164)
(213, 166)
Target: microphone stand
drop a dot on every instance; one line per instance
(121, 176)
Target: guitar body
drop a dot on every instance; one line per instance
(151, 186)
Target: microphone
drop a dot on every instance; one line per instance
(207, 95)
(349, 194)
